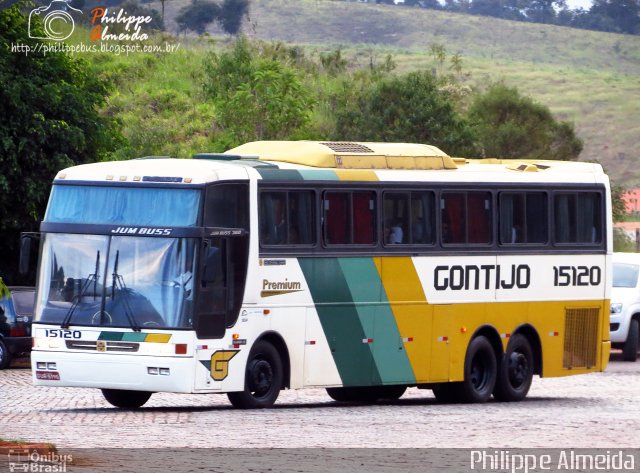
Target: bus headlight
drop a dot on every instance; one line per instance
(616, 308)
(46, 343)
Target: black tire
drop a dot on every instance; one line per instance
(480, 373)
(263, 378)
(367, 394)
(447, 393)
(339, 394)
(515, 371)
(392, 393)
(126, 399)
(5, 356)
(630, 348)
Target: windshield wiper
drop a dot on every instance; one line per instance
(76, 299)
(118, 281)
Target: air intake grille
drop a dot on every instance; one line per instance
(102, 346)
(581, 337)
(345, 147)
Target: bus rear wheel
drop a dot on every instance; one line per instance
(126, 399)
(263, 378)
(515, 372)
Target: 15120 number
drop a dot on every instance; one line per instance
(577, 275)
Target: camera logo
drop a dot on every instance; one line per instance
(56, 18)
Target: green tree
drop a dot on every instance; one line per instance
(256, 97)
(622, 16)
(509, 125)
(231, 14)
(48, 121)
(197, 15)
(411, 108)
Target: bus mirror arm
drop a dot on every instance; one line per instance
(25, 250)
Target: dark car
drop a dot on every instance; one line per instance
(16, 314)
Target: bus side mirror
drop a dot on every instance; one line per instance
(25, 251)
(212, 265)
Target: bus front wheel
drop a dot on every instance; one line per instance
(263, 378)
(126, 399)
(515, 372)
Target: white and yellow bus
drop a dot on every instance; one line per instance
(364, 268)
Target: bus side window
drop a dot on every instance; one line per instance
(453, 218)
(349, 217)
(466, 217)
(273, 218)
(336, 218)
(227, 206)
(523, 217)
(302, 217)
(363, 218)
(422, 218)
(479, 214)
(578, 217)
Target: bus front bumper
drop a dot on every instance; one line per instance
(111, 371)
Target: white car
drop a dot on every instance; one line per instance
(625, 304)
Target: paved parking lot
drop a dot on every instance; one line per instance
(595, 410)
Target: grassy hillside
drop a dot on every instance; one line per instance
(590, 78)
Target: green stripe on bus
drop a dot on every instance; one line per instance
(134, 337)
(318, 175)
(279, 174)
(111, 336)
(376, 317)
(340, 321)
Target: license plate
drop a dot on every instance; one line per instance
(48, 375)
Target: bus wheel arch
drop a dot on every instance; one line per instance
(480, 370)
(265, 374)
(278, 343)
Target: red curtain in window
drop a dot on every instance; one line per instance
(479, 217)
(337, 220)
(363, 220)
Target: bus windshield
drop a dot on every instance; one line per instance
(116, 281)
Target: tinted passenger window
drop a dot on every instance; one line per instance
(287, 218)
(578, 217)
(349, 218)
(523, 217)
(227, 206)
(466, 217)
(408, 218)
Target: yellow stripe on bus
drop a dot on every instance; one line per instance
(157, 338)
(409, 307)
(356, 175)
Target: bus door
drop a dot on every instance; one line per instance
(220, 289)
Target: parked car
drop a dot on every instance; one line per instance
(625, 304)
(16, 314)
